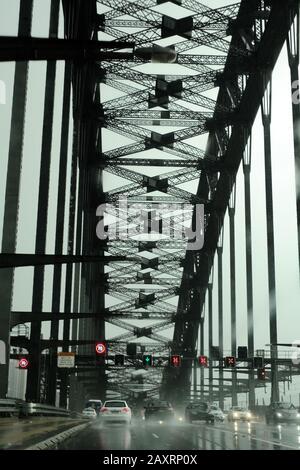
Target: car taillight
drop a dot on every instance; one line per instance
(125, 410)
(103, 409)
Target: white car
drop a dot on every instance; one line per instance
(89, 413)
(115, 411)
(217, 413)
(237, 413)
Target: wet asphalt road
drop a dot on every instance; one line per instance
(20, 433)
(183, 436)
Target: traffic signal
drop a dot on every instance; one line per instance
(101, 348)
(242, 352)
(119, 360)
(261, 373)
(147, 360)
(203, 361)
(175, 361)
(258, 362)
(230, 361)
(158, 362)
(131, 349)
(215, 353)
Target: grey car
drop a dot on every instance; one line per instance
(199, 411)
(281, 412)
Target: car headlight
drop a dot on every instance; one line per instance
(180, 418)
(160, 422)
(249, 415)
(235, 415)
(298, 415)
(279, 415)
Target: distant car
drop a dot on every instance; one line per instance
(280, 412)
(94, 403)
(115, 411)
(237, 413)
(217, 413)
(89, 413)
(159, 410)
(199, 411)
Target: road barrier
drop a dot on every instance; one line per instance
(9, 408)
(21, 409)
(38, 409)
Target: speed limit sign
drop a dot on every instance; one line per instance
(100, 348)
(23, 363)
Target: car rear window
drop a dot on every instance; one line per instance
(161, 404)
(200, 406)
(115, 404)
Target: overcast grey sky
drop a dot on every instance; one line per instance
(287, 271)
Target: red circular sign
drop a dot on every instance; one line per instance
(100, 348)
(23, 363)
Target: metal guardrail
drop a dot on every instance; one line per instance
(17, 408)
(9, 407)
(38, 409)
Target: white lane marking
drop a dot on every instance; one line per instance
(155, 435)
(274, 443)
(277, 443)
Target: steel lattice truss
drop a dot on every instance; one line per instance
(149, 122)
(178, 99)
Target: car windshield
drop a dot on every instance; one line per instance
(237, 408)
(115, 404)
(283, 406)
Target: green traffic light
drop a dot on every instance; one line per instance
(147, 360)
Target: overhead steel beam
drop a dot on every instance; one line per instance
(18, 260)
(200, 164)
(15, 49)
(24, 342)
(31, 317)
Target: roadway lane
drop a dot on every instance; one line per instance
(183, 436)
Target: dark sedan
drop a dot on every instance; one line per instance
(199, 411)
(160, 411)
